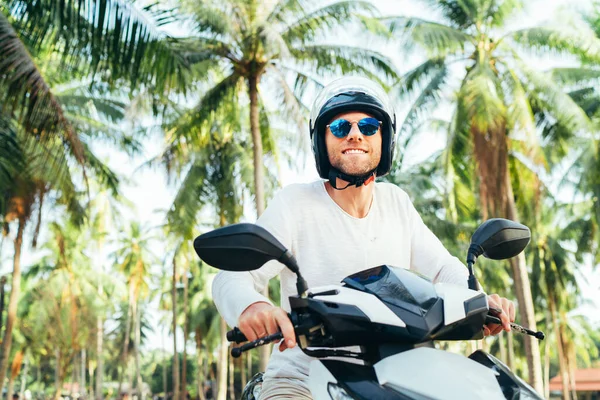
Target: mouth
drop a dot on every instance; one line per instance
(354, 151)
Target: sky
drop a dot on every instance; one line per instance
(150, 193)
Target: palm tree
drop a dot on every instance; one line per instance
(492, 115)
(252, 42)
(134, 259)
(61, 300)
(112, 39)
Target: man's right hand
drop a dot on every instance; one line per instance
(262, 319)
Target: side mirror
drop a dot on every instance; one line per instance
(239, 247)
(245, 247)
(499, 239)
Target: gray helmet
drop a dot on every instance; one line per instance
(352, 94)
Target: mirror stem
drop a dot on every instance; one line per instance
(301, 285)
(473, 284)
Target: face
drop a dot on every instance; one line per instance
(355, 154)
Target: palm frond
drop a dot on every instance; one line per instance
(437, 39)
(309, 25)
(210, 18)
(459, 167)
(579, 40)
(521, 121)
(576, 76)
(111, 35)
(27, 95)
(220, 100)
(412, 80)
(11, 157)
(345, 60)
(428, 98)
(485, 105)
(555, 101)
(500, 11)
(284, 10)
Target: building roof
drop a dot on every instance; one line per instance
(586, 380)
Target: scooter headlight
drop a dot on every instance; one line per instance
(337, 392)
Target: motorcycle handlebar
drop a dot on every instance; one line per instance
(490, 319)
(235, 335)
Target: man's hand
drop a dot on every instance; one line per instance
(507, 315)
(262, 319)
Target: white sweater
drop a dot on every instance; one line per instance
(329, 244)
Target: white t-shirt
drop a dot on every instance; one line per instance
(329, 244)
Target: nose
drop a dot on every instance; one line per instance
(355, 133)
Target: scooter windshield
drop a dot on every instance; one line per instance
(394, 285)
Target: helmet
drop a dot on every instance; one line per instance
(352, 94)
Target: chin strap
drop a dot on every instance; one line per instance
(351, 179)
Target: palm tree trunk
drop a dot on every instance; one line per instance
(164, 366)
(11, 317)
(24, 378)
(138, 373)
(2, 285)
(100, 358)
(526, 314)
(258, 179)
(243, 378)
(547, 365)
(200, 362)
(82, 388)
(249, 365)
(510, 344)
(497, 199)
(569, 355)
(124, 370)
(231, 376)
(92, 382)
(222, 364)
(185, 336)
(502, 346)
(175, 355)
(564, 374)
(57, 375)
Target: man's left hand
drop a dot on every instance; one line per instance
(507, 315)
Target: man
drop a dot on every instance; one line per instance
(337, 227)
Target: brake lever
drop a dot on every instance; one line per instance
(237, 351)
(490, 319)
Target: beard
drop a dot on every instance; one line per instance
(355, 166)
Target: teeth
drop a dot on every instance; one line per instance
(353, 151)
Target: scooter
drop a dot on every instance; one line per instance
(392, 315)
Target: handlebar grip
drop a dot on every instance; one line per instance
(235, 335)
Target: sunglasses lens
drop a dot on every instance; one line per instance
(368, 126)
(340, 128)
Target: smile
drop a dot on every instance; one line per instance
(354, 151)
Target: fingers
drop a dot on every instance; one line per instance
(256, 320)
(506, 315)
(283, 321)
(263, 319)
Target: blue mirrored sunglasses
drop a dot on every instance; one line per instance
(341, 127)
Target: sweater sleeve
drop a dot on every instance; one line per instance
(233, 292)
(429, 256)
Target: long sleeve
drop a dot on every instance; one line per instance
(233, 292)
(429, 256)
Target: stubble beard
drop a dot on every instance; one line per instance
(355, 167)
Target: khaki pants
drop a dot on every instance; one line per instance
(284, 388)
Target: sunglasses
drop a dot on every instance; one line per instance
(341, 127)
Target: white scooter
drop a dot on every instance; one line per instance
(392, 315)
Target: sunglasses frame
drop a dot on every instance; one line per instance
(352, 123)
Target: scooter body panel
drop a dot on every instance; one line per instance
(439, 375)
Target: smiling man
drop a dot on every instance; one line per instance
(336, 227)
